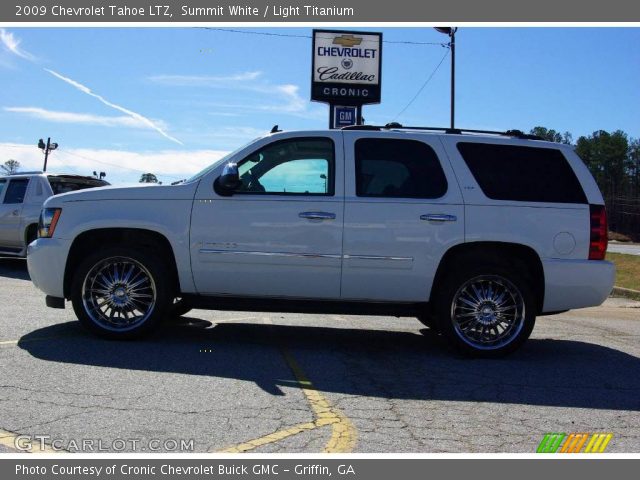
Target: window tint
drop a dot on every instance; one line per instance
(398, 169)
(16, 190)
(70, 184)
(298, 167)
(3, 182)
(526, 174)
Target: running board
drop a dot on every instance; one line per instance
(285, 305)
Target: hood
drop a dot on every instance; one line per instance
(138, 192)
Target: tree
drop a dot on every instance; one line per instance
(552, 135)
(607, 156)
(148, 178)
(10, 166)
(634, 167)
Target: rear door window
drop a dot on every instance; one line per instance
(525, 174)
(395, 168)
(16, 190)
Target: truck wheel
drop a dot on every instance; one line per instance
(485, 310)
(121, 293)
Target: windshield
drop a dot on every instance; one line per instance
(211, 167)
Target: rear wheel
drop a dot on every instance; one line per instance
(486, 310)
(121, 293)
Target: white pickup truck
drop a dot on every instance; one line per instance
(474, 234)
(22, 195)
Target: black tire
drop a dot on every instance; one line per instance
(31, 234)
(476, 330)
(179, 307)
(122, 296)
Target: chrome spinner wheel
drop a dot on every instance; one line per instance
(488, 312)
(119, 294)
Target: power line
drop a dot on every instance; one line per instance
(292, 35)
(113, 164)
(423, 85)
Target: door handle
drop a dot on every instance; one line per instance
(15, 213)
(438, 217)
(317, 215)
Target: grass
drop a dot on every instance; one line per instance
(627, 270)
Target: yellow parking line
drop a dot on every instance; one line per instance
(270, 438)
(8, 439)
(343, 433)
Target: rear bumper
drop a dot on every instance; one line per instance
(46, 261)
(576, 283)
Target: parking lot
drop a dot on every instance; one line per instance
(227, 381)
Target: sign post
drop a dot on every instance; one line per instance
(346, 72)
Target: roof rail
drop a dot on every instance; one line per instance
(453, 131)
(32, 172)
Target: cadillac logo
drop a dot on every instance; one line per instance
(347, 63)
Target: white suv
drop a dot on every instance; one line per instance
(473, 233)
(21, 198)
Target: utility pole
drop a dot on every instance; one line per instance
(451, 31)
(453, 77)
(46, 149)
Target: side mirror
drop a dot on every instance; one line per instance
(226, 183)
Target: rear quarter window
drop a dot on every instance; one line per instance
(525, 174)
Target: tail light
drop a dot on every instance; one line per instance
(598, 227)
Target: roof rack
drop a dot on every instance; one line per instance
(31, 172)
(452, 131)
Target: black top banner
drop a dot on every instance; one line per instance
(349, 11)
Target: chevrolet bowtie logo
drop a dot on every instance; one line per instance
(347, 40)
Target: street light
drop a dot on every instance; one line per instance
(451, 31)
(46, 149)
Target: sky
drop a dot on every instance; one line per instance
(171, 101)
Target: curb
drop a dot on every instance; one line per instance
(625, 293)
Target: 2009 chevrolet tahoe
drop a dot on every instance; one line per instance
(475, 234)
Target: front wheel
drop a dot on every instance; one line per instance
(121, 293)
(486, 311)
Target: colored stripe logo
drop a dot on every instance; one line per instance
(574, 443)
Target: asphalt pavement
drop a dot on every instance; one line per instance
(257, 382)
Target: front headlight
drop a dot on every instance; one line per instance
(48, 221)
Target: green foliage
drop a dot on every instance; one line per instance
(552, 135)
(148, 178)
(10, 166)
(607, 156)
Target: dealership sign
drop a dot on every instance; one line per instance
(346, 67)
